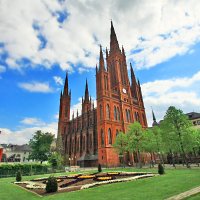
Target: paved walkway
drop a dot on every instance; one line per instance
(185, 194)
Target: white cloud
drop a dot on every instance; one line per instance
(2, 69)
(36, 87)
(180, 92)
(23, 135)
(58, 80)
(32, 121)
(159, 29)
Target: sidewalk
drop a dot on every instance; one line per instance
(185, 194)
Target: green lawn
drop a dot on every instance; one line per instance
(173, 182)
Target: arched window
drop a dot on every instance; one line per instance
(109, 136)
(90, 141)
(102, 138)
(83, 143)
(107, 111)
(136, 116)
(144, 119)
(101, 112)
(117, 132)
(126, 111)
(118, 114)
(77, 145)
(115, 113)
(129, 115)
(105, 82)
(72, 146)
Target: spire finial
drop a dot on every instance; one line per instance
(113, 40)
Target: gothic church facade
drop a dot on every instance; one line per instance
(88, 137)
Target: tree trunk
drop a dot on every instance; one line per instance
(195, 155)
(173, 163)
(183, 151)
(151, 164)
(139, 159)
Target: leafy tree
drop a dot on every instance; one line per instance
(40, 145)
(176, 132)
(56, 160)
(196, 143)
(120, 145)
(153, 142)
(59, 144)
(135, 137)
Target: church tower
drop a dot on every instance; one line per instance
(64, 111)
(119, 103)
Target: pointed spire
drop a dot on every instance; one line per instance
(101, 60)
(133, 79)
(154, 118)
(138, 82)
(106, 52)
(61, 94)
(155, 123)
(86, 91)
(96, 69)
(123, 52)
(66, 85)
(113, 40)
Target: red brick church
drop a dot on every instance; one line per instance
(88, 137)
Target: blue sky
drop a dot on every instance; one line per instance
(41, 40)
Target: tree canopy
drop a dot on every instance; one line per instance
(40, 145)
(177, 132)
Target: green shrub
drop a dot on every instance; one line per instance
(18, 176)
(161, 169)
(11, 169)
(51, 185)
(99, 168)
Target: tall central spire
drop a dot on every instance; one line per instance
(86, 92)
(66, 84)
(113, 40)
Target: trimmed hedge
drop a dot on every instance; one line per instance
(11, 169)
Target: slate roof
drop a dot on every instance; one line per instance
(193, 115)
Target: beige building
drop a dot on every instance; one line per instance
(195, 118)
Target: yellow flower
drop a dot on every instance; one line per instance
(105, 178)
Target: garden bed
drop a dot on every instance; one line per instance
(82, 181)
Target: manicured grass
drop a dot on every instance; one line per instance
(173, 182)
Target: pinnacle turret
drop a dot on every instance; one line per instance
(101, 60)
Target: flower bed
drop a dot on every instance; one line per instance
(79, 181)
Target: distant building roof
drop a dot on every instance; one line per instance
(15, 147)
(193, 115)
